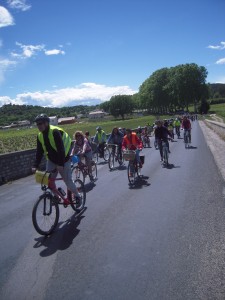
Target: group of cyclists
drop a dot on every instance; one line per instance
(55, 144)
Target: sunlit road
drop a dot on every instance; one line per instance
(163, 239)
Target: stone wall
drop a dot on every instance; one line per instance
(17, 165)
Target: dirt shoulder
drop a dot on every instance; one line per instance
(216, 145)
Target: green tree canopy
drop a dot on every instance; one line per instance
(121, 105)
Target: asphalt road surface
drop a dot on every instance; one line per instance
(162, 239)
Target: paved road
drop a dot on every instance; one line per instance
(164, 239)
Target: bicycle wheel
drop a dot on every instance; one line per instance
(165, 157)
(111, 161)
(78, 204)
(106, 154)
(95, 157)
(45, 214)
(94, 170)
(131, 173)
(77, 173)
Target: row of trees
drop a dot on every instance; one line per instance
(166, 90)
(10, 113)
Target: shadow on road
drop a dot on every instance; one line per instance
(140, 183)
(89, 186)
(119, 168)
(192, 147)
(102, 163)
(171, 166)
(62, 237)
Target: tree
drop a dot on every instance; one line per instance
(105, 106)
(121, 105)
(203, 107)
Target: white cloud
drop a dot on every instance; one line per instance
(85, 93)
(8, 100)
(19, 4)
(5, 65)
(54, 52)
(6, 18)
(221, 61)
(218, 47)
(27, 50)
(31, 50)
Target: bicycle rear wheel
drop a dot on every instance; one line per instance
(77, 173)
(131, 173)
(45, 214)
(111, 161)
(165, 157)
(78, 204)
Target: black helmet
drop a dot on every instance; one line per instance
(98, 128)
(42, 118)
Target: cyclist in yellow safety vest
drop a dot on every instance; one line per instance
(55, 144)
(100, 139)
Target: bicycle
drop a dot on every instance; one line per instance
(187, 138)
(115, 156)
(177, 131)
(105, 155)
(146, 141)
(81, 171)
(45, 213)
(133, 169)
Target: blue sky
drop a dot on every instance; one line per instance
(68, 52)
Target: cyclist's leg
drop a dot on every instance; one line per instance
(137, 157)
(101, 149)
(120, 151)
(167, 144)
(67, 177)
(160, 148)
(88, 157)
(190, 136)
(52, 168)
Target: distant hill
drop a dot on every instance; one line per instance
(10, 113)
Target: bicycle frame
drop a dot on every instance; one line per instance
(52, 187)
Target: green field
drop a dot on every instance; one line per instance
(218, 109)
(16, 140)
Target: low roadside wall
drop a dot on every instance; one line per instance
(218, 127)
(16, 165)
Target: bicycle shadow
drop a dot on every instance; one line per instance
(119, 168)
(62, 238)
(102, 163)
(192, 147)
(171, 166)
(141, 181)
(89, 186)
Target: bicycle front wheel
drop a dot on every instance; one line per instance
(77, 173)
(111, 161)
(78, 204)
(106, 154)
(94, 170)
(95, 157)
(45, 214)
(131, 173)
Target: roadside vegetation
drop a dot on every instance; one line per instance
(22, 139)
